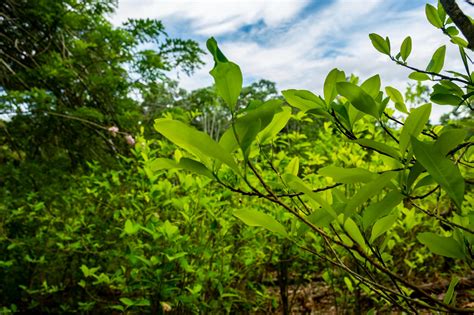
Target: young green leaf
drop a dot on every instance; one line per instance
(432, 16)
(440, 245)
(381, 208)
(367, 191)
(405, 49)
(227, 75)
(437, 61)
(448, 298)
(414, 124)
(443, 170)
(278, 122)
(382, 225)
(256, 218)
(380, 43)
(303, 100)
(353, 231)
(358, 97)
(396, 98)
(418, 76)
(194, 141)
(334, 76)
(184, 163)
(347, 175)
(293, 167)
(379, 147)
(371, 86)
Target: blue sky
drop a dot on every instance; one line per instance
(295, 43)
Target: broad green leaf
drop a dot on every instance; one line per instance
(415, 171)
(414, 124)
(432, 16)
(293, 167)
(450, 139)
(380, 43)
(382, 225)
(425, 181)
(194, 141)
(256, 218)
(440, 245)
(130, 227)
(379, 147)
(405, 49)
(184, 163)
(396, 98)
(371, 86)
(418, 76)
(437, 61)
(278, 122)
(367, 191)
(358, 97)
(228, 80)
(227, 75)
(334, 76)
(381, 208)
(446, 99)
(127, 301)
(303, 100)
(448, 298)
(353, 230)
(443, 170)
(347, 175)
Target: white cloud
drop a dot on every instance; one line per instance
(301, 55)
(212, 17)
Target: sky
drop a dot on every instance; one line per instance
(295, 43)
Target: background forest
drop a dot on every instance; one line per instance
(121, 192)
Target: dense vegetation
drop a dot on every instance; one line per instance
(227, 199)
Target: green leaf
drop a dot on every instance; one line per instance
(303, 100)
(440, 245)
(380, 44)
(334, 76)
(227, 75)
(396, 98)
(184, 163)
(293, 166)
(418, 76)
(256, 218)
(194, 141)
(441, 12)
(446, 99)
(379, 147)
(278, 122)
(353, 231)
(130, 227)
(414, 124)
(461, 42)
(367, 191)
(405, 49)
(381, 208)
(437, 61)
(299, 186)
(448, 298)
(127, 301)
(443, 170)
(347, 175)
(450, 139)
(432, 16)
(371, 86)
(382, 225)
(228, 80)
(358, 97)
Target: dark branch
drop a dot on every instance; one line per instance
(460, 19)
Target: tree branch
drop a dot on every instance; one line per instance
(460, 19)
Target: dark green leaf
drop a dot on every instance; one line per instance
(381, 208)
(347, 175)
(382, 225)
(379, 147)
(448, 298)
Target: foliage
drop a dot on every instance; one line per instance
(351, 209)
